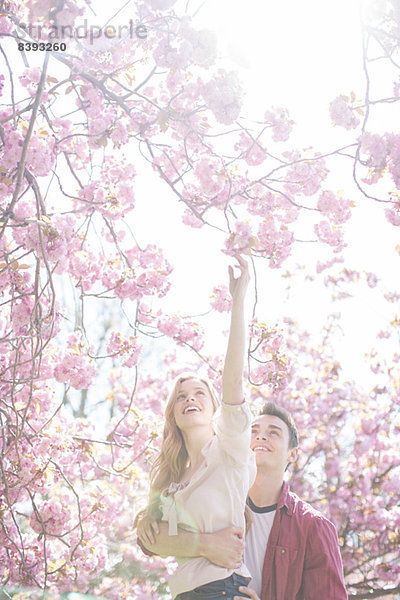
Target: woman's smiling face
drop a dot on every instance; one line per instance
(193, 404)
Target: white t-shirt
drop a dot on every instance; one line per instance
(215, 496)
(256, 542)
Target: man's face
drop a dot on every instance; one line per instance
(270, 443)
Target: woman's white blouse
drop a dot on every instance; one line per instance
(215, 496)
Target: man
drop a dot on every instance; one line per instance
(291, 549)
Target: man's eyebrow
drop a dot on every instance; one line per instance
(270, 426)
(275, 427)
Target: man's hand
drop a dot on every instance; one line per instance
(224, 547)
(249, 593)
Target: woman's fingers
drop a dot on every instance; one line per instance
(243, 266)
(242, 262)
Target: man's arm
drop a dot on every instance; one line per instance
(323, 568)
(223, 548)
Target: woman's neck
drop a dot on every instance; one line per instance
(195, 439)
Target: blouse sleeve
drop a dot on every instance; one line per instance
(232, 425)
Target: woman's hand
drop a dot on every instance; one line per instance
(147, 529)
(238, 285)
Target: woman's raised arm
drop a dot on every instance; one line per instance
(232, 377)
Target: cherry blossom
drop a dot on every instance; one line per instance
(88, 347)
(342, 113)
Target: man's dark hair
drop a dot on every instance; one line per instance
(270, 408)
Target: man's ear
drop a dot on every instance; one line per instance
(293, 455)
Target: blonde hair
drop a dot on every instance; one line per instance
(171, 462)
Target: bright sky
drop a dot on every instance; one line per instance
(299, 55)
(291, 53)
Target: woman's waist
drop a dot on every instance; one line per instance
(197, 571)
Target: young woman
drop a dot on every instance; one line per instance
(201, 477)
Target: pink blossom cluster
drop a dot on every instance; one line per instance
(274, 241)
(241, 240)
(70, 485)
(268, 365)
(21, 314)
(393, 214)
(90, 557)
(383, 334)
(41, 12)
(85, 266)
(100, 116)
(146, 275)
(133, 424)
(189, 46)
(262, 203)
(75, 366)
(123, 346)
(375, 147)
(336, 208)
(329, 234)
(393, 147)
(220, 299)
(153, 390)
(40, 156)
(171, 163)
(305, 176)
(212, 178)
(223, 96)
(372, 280)
(286, 210)
(327, 265)
(29, 316)
(146, 315)
(183, 331)
(53, 516)
(40, 8)
(190, 219)
(69, 13)
(282, 125)
(112, 194)
(6, 25)
(392, 296)
(30, 79)
(343, 113)
(251, 150)
(55, 237)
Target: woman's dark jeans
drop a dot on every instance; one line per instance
(223, 589)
